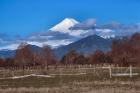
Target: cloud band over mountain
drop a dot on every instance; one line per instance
(69, 30)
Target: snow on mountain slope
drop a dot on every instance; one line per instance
(65, 25)
(10, 47)
(105, 33)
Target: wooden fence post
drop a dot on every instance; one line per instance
(130, 71)
(110, 71)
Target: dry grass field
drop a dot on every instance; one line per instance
(69, 79)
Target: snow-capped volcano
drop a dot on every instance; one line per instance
(64, 25)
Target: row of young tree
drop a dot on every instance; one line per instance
(123, 52)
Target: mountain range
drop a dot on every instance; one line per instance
(85, 46)
(70, 30)
(84, 37)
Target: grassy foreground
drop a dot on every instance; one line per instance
(83, 79)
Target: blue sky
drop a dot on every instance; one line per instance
(23, 17)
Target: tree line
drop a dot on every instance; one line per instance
(123, 52)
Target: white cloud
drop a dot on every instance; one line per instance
(10, 47)
(57, 43)
(52, 43)
(78, 33)
(104, 30)
(86, 25)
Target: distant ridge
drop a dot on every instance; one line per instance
(86, 45)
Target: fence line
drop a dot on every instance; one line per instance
(130, 73)
(77, 70)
